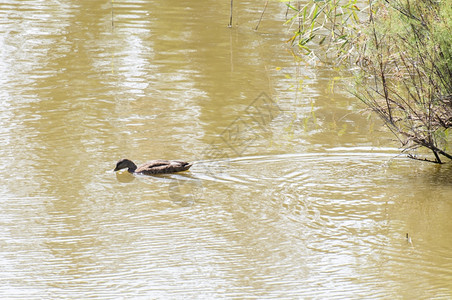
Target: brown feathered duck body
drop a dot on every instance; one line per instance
(153, 166)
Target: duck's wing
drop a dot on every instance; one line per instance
(153, 164)
(163, 166)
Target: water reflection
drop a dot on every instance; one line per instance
(124, 177)
(306, 201)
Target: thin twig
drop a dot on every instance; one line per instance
(287, 9)
(260, 19)
(423, 159)
(230, 18)
(112, 16)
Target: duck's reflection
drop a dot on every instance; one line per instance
(184, 189)
(124, 177)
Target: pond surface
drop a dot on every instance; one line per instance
(295, 193)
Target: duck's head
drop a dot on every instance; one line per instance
(125, 163)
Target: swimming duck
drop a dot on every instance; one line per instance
(153, 166)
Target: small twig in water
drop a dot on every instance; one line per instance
(408, 240)
(230, 18)
(263, 11)
(112, 16)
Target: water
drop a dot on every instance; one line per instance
(295, 192)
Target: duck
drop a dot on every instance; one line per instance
(153, 167)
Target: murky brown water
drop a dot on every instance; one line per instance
(295, 193)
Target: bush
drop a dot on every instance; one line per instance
(404, 52)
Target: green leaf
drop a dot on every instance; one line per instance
(291, 7)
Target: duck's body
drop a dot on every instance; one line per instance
(153, 166)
